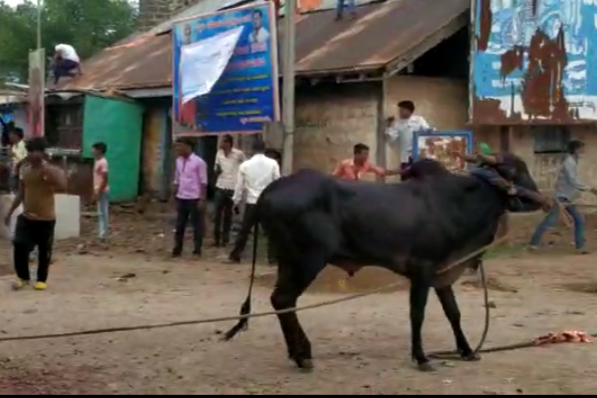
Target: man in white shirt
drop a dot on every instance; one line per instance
(259, 35)
(228, 161)
(254, 176)
(66, 62)
(403, 129)
(18, 154)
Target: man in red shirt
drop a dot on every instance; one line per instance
(353, 169)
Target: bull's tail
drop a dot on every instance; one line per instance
(245, 311)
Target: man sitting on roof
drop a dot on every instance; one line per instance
(66, 62)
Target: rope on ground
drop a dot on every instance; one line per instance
(437, 354)
(51, 336)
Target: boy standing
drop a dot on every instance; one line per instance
(18, 153)
(35, 226)
(101, 189)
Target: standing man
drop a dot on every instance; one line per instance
(228, 160)
(101, 188)
(254, 176)
(18, 154)
(568, 189)
(35, 226)
(66, 62)
(190, 187)
(355, 167)
(403, 129)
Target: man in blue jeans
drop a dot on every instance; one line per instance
(568, 189)
(342, 4)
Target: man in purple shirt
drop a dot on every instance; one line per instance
(190, 187)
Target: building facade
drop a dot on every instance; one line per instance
(534, 80)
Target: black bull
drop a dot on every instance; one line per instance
(414, 228)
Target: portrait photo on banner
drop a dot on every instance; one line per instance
(225, 72)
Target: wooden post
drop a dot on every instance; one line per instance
(381, 158)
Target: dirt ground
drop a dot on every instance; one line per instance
(361, 347)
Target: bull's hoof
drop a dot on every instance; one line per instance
(470, 357)
(305, 365)
(425, 367)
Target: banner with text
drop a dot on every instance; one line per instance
(246, 94)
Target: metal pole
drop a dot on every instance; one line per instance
(38, 24)
(288, 83)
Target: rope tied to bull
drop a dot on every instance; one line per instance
(247, 316)
(437, 354)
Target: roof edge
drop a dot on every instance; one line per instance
(401, 61)
(339, 71)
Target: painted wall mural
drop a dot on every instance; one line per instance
(534, 61)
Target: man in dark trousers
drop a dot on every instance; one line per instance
(254, 176)
(39, 182)
(190, 187)
(228, 160)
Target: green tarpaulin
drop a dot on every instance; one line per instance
(118, 123)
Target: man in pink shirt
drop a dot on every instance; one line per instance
(101, 188)
(190, 187)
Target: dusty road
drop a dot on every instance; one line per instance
(361, 347)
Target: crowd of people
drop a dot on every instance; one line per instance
(239, 183)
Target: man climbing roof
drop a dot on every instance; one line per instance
(66, 62)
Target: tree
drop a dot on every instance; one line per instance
(87, 25)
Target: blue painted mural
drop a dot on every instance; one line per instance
(534, 61)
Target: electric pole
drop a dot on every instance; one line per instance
(38, 24)
(288, 85)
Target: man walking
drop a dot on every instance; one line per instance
(342, 4)
(254, 176)
(35, 226)
(190, 187)
(228, 160)
(568, 189)
(403, 129)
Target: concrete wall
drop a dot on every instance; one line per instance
(331, 119)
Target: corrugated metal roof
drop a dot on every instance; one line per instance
(382, 32)
(8, 96)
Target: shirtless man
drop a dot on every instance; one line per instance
(39, 181)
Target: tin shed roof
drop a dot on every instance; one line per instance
(383, 33)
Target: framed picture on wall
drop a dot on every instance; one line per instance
(440, 146)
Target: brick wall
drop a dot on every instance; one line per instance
(330, 120)
(152, 12)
